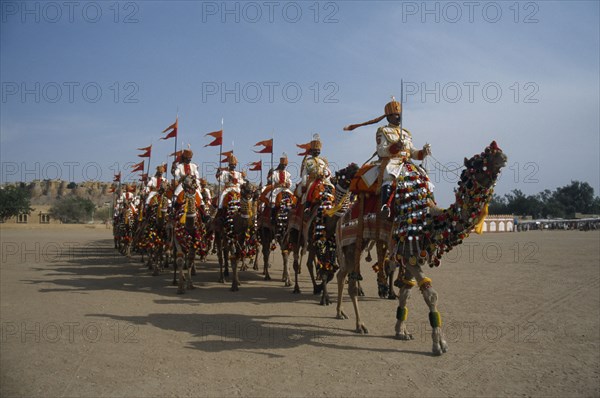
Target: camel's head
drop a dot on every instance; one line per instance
(344, 176)
(247, 191)
(483, 169)
(190, 184)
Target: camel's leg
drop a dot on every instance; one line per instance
(353, 288)
(266, 252)
(430, 295)
(341, 278)
(353, 292)
(219, 247)
(190, 269)
(285, 254)
(180, 263)
(310, 264)
(296, 270)
(235, 283)
(406, 283)
(325, 300)
(255, 267)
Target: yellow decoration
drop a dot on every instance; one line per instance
(185, 210)
(479, 227)
(409, 282)
(424, 281)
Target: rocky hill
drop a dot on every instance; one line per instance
(47, 192)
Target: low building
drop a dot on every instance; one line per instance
(499, 223)
(39, 215)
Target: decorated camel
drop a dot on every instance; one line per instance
(419, 234)
(272, 225)
(188, 232)
(237, 230)
(313, 231)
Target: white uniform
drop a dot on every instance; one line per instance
(281, 180)
(401, 152)
(231, 180)
(315, 168)
(153, 185)
(184, 169)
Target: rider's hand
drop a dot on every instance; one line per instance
(426, 150)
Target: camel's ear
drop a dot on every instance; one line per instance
(494, 145)
(466, 161)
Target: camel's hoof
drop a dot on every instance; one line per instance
(361, 292)
(444, 346)
(267, 277)
(404, 336)
(296, 290)
(235, 288)
(226, 272)
(392, 296)
(180, 291)
(221, 280)
(287, 283)
(325, 301)
(362, 329)
(193, 272)
(318, 289)
(155, 273)
(191, 287)
(341, 315)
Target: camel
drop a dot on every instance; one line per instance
(420, 235)
(155, 233)
(188, 232)
(238, 225)
(272, 228)
(315, 233)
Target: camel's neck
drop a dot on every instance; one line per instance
(456, 222)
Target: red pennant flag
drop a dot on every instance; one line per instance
(145, 149)
(256, 166)
(268, 146)
(138, 167)
(306, 148)
(218, 135)
(117, 177)
(173, 132)
(146, 154)
(226, 156)
(177, 156)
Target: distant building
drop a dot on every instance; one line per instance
(499, 223)
(39, 215)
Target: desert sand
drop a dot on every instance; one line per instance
(520, 313)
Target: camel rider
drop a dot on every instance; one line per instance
(185, 168)
(314, 170)
(230, 179)
(205, 191)
(278, 180)
(155, 182)
(394, 149)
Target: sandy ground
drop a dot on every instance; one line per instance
(520, 311)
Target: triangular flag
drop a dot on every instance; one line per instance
(268, 146)
(173, 132)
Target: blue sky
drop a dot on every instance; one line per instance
(295, 69)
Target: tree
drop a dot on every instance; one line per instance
(575, 197)
(14, 201)
(72, 210)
